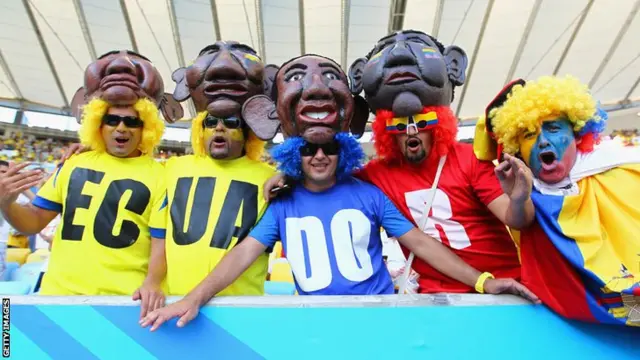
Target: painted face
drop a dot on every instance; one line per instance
(313, 99)
(407, 71)
(319, 162)
(123, 77)
(223, 77)
(224, 137)
(550, 152)
(121, 131)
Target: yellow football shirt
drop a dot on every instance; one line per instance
(212, 204)
(111, 207)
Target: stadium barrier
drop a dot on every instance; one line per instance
(444, 326)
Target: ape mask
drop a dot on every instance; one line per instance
(124, 79)
(311, 99)
(121, 78)
(222, 77)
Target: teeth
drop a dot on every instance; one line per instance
(317, 115)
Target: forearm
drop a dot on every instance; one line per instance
(227, 271)
(439, 256)
(27, 219)
(519, 215)
(157, 262)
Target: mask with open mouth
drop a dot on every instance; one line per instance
(312, 100)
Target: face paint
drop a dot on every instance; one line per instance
(421, 122)
(550, 151)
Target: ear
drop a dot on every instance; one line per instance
(360, 116)
(260, 114)
(456, 60)
(269, 79)
(356, 70)
(77, 102)
(170, 108)
(181, 92)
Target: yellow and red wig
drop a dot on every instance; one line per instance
(444, 134)
(91, 123)
(253, 146)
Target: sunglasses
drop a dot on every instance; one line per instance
(420, 121)
(331, 148)
(402, 127)
(115, 120)
(231, 122)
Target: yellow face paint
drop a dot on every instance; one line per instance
(528, 138)
(236, 134)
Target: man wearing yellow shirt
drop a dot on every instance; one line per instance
(111, 237)
(214, 195)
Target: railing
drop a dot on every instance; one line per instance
(442, 326)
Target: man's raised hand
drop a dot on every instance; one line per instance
(515, 178)
(15, 181)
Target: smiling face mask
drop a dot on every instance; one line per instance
(550, 151)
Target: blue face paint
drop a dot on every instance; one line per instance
(553, 154)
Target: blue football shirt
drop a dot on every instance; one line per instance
(332, 238)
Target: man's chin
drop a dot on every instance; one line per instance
(415, 158)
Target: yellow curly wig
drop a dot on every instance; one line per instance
(93, 112)
(253, 146)
(548, 96)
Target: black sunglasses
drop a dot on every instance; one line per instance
(115, 120)
(231, 122)
(330, 148)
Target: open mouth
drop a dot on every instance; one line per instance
(219, 141)
(225, 88)
(548, 160)
(319, 114)
(413, 144)
(401, 78)
(122, 140)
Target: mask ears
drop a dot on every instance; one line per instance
(456, 60)
(77, 102)
(181, 92)
(170, 108)
(356, 70)
(260, 114)
(269, 79)
(360, 116)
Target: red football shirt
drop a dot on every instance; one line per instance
(459, 216)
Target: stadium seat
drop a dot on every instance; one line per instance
(17, 255)
(28, 273)
(279, 288)
(15, 288)
(10, 267)
(281, 271)
(40, 255)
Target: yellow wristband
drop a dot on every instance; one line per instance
(481, 280)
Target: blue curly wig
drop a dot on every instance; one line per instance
(287, 156)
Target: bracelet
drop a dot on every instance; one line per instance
(481, 279)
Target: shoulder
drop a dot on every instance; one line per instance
(179, 160)
(360, 188)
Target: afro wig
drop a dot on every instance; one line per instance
(91, 123)
(527, 105)
(253, 146)
(444, 134)
(287, 156)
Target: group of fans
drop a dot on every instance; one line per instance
(202, 225)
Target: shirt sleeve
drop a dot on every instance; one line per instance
(393, 222)
(267, 230)
(158, 217)
(485, 182)
(49, 197)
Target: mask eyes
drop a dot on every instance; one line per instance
(295, 77)
(331, 76)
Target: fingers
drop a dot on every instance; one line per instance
(136, 295)
(13, 168)
(144, 304)
(526, 293)
(22, 181)
(186, 318)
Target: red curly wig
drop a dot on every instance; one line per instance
(443, 135)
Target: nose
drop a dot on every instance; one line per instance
(121, 65)
(412, 129)
(400, 55)
(542, 141)
(320, 155)
(219, 126)
(225, 67)
(316, 89)
(121, 127)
